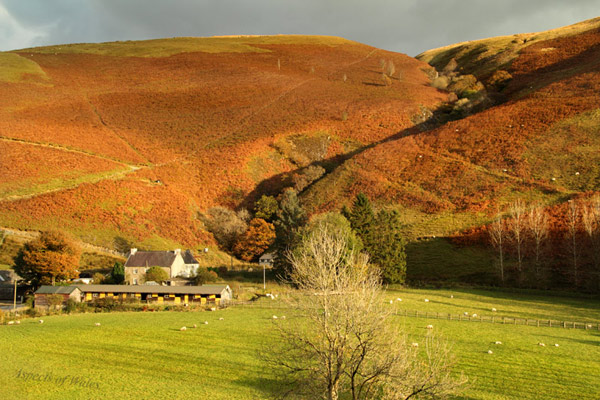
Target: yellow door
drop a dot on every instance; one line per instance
(160, 299)
(102, 295)
(88, 296)
(177, 300)
(185, 298)
(203, 300)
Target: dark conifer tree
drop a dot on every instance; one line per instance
(290, 218)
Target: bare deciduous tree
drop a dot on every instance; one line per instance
(537, 222)
(497, 237)
(342, 341)
(573, 230)
(517, 230)
(590, 217)
(390, 69)
(225, 225)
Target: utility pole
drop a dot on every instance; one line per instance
(264, 278)
(15, 296)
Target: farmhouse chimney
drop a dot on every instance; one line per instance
(132, 251)
(177, 251)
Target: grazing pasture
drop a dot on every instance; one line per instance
(148, 355)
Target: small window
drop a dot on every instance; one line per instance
(135, 271)
(135, 281)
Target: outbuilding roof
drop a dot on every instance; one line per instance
(47, 289)
(204, 289)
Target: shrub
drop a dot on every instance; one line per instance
(98, 278)
(203, 275)
(71, 306)
(105, 304)
(440, 83)
(156, 274)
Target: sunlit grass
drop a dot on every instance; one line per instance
(145, 355)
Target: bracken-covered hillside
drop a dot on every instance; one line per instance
(132, 139)
(537, 137)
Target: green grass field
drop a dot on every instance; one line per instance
(144, 355)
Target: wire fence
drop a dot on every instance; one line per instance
(501, 320)
(494, 319)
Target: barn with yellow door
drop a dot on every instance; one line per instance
(205, 294)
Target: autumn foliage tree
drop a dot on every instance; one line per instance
(54, 256)
(259, 236)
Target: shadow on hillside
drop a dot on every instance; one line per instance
(275, 184)
(579, 64)
(569, 67)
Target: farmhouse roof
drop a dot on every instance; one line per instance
(46, 289)
(151, 259)
(204, 289)
(189, 258)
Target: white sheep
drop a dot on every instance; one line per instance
(274, 317)
(466, 313)
(213, 309)
(194, 326)
(11, 322)
(555, 344)
(398, 299)
(426, 300)
(41, 321)
(221, 319)
(451, 296)
(541, 344)
(414, 344)
(97, 324)
(497, 342)
(183, 328)
(283, 317)
(391, 301)
(474, 315)
(205, 322)
(490, 352)
(493, 309)
(17, 322)
(429, 326)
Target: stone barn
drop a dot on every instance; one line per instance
(47, 296)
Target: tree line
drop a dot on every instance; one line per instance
(280, 225)
(549, 247)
